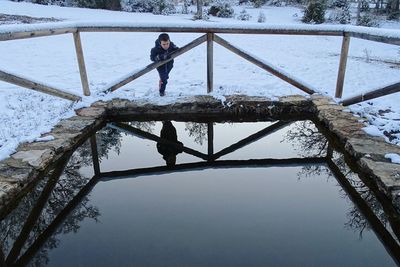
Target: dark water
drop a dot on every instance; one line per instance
(232, 211)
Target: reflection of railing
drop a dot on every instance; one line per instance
(209, 37)
(16, 258)
(390, 243)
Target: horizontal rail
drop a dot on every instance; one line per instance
(387, 90)
(32, 34)
(152, 66)
(264, 65)
(23, 82)
(375, 38)
(212, 30)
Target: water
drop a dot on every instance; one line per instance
(233, 214)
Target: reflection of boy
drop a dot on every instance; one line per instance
(161, 51)
(169, 151)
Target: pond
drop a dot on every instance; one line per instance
(172, 193)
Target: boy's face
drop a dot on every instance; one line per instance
(165, 44)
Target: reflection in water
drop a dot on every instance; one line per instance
(172, 147)
(197, 130)
(60, 202)
(314, 142)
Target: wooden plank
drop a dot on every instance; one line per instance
(387, 90)
(23, 82)
(210, 59)
(375, 38)
(32, 34)
(130, 77)
(266, 66)
(232, 30)
(342, 65)
(81, 63)
(196, 29)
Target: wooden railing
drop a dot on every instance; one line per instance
(210, 36)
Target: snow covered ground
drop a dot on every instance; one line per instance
(25, 114)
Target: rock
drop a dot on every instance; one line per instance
(36, 158)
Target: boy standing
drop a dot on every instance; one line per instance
(161, 51)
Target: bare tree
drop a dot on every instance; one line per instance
(199, 13)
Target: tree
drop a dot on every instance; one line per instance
(393, 7)
(199, 13)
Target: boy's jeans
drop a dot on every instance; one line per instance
(164, 71)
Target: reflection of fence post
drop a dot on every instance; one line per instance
(95, 155)
(81, 63)
(210, 40)
(342, 65)
(2, 257)
(329, 151)
(210, 138)
(35, 213)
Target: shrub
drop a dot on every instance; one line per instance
(261, 17)
(258, 3)
(244, 15)
(367, 20)
(221, 9)
(164, 7)
(101, 4)
(341, 14)
(315, 12)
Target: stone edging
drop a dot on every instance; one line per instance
(21, 170)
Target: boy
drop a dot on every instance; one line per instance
(161, 51)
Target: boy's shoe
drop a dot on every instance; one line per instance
(162, 93)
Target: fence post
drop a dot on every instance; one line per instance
(342, 65)
(210, 71)
(81, 63)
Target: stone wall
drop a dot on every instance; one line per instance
(19, 172)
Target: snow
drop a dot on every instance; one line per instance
(25, 115)
(395, 158)
(373, 130)
(45, 138)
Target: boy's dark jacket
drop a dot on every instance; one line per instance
(158, 53)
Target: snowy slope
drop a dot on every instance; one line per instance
(24, 114)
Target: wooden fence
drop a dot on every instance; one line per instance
(210, 36)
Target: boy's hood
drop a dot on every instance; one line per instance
(158, 43)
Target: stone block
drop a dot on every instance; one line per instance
(387, 174)
(376, 148)
(38, 159)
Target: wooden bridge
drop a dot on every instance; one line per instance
(210, 36)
